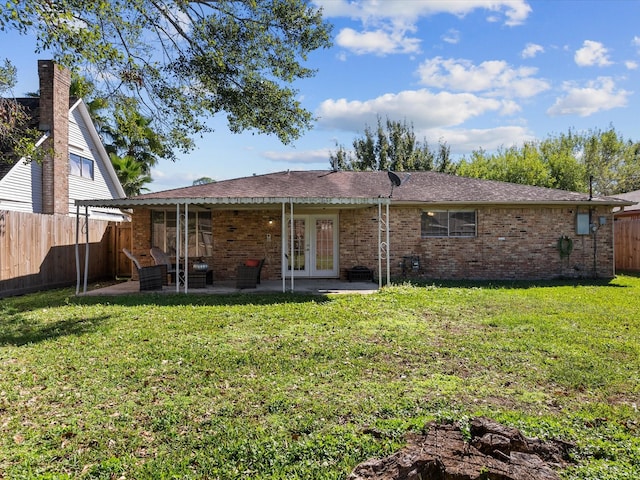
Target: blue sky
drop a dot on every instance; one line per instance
(473, 73)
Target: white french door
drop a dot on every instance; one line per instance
(315, 246)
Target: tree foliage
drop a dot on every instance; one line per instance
(185, 61)
(392, 146)
(598, 160)
(17, 136)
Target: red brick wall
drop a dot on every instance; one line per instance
(511, 243)
(54, 118)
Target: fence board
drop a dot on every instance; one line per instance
(627, 244)
(38, 251)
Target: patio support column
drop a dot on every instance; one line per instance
(86, 248)
(186, 247)
(291, 231)
(177, 247)
(283, 247)
(383, 246)
(388, 247)
(77, 250)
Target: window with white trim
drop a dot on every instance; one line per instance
(164, 230)
(448, 223)
(80, 166)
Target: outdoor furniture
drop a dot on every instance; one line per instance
(161, 258)
(150, 277)
(248, 274)
(359, 273)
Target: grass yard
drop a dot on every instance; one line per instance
(286, 386)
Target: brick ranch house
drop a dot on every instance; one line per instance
(432, 225)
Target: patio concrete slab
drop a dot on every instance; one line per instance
(315, 286)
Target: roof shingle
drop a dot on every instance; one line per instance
(419, 187)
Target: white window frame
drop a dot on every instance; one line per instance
(447, 229)
(85, 166)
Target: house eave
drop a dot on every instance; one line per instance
(229, 201)
(516, 203)
(335, 201)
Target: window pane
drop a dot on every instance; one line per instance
(462, 224)
(171, 233)
(75, 165)
(324, 244)
(205, 246)
(158, 230)
(87, 168)
(434, 224)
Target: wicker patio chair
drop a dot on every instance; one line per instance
(150, 277)
(248, 274)
(162, 259)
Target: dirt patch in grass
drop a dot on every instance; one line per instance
(486, 449)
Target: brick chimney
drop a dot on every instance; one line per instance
(54, 118)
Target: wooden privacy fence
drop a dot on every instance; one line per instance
(627, 244)
(38, 252)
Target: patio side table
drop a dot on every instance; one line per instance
(197, 279)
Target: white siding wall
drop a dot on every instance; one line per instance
(80, 188)
(21, 188)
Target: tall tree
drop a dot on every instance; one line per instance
(130, 173)
(392, 146)
(186, 60)
(17, 136)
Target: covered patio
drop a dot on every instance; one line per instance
(285, 250)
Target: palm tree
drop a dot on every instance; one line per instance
(131, 174)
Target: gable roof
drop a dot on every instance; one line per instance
(326, 186)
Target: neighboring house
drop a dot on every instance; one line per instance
(79, 167)
(632, 211)
(627, 233)
(426, 224)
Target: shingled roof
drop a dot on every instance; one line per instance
(417, 187)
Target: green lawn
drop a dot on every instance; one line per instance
(285, 386)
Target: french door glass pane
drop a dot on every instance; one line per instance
(299, 245)
(324, 244)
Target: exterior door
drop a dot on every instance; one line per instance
(315, 246)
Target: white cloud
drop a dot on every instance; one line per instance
(636, 41)
(452, 36)
(531, 50)
(631, 65)
(598, 95)
(387, 24)
(592, 53)
(492, 77)
(464, 141)
(422, 107)
(299, 156)
(514, 12)
(379, 42)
